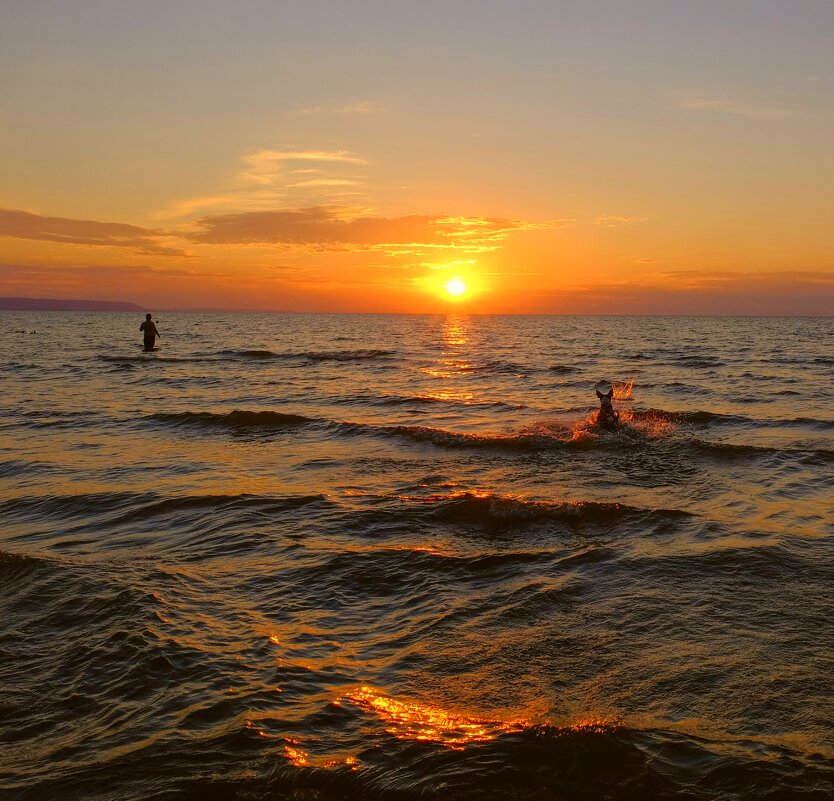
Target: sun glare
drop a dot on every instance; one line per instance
(455, 287)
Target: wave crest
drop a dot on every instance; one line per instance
(240, 419)
(476, 506)
(314, 355)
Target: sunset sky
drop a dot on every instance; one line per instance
(604, 156)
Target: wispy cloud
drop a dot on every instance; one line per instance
(271, 178)
(695, 100)
(263, 166)
(360, 107)
(244, 200)
(448, 265)
(66, 231)
(613, 220)
(363, 107)
(326, 182)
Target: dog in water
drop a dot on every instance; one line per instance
(607, 418)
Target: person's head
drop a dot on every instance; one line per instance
(147, 316)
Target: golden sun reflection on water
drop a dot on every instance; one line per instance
(300, 758)
(296, 755)
(461, 397)
(454, 332)
(451, 363)
(409, 720)
(426, 722)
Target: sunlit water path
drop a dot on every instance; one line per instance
(330, 557)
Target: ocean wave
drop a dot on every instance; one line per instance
(697, 362)
(693, 417)
(534, 438)
(633, 432)
(740, 450)
(459, 439)
(239, 419)
(428, 751)
(58, 419)
(12, 564)
(116, 510)
(487, 507)
(150, 503)
(346, 355)
(245, 420)
(154, 358)
(703, 417)
(637, 427)
(20, 467)
(252, 354)
(423, 400)
(360, 354)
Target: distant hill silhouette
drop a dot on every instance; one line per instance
(48, 304)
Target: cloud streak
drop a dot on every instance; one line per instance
(613, 220)
(362, 107)
(263, 166)
(345, 228)
(273, 178)
(698, 100)
(66, 231)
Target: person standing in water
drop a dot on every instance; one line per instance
(149, 329)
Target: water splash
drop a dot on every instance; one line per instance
(623, 389)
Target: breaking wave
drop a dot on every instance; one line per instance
(487, 507)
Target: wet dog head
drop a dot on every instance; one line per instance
(605, 400)
(606, 416)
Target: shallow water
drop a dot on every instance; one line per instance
(336, 556)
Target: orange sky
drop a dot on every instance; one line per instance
(571, 158)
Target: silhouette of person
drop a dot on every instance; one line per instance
(149, 328)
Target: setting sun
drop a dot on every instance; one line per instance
(455, 287)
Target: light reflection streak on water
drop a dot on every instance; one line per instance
(414, 721)
(452, 364)
(461, 397)
(454, 332)
(296, 755)
(300, 758)
(411, 720)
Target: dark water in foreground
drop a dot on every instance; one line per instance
(349, 557)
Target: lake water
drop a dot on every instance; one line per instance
(344, 557)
